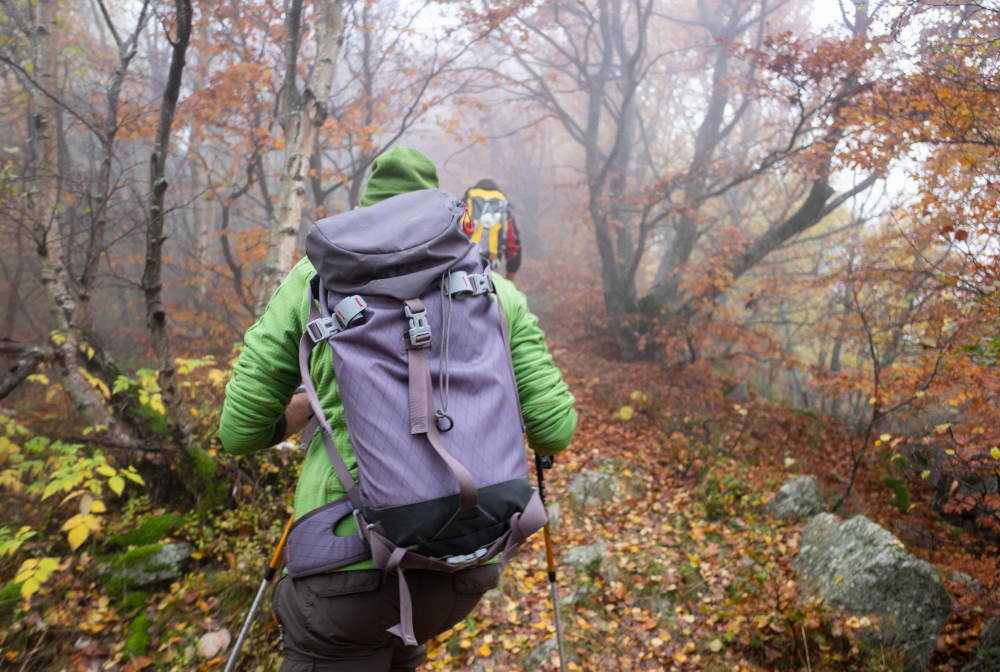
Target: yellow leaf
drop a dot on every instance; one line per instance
(92, 522)
(626, 413)
(995, 453)
(73, 522)
(885, 437)
(98, 507)
(29, 588)
(77, 536)
(105, 470)
(26, 570)
(715, 646)
(925, 473)
(484, 651)
(789, 461)
(116, 483)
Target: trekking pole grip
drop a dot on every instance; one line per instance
(272, 567)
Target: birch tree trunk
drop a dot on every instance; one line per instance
(301, 117)
(152, 284)
(69, 311)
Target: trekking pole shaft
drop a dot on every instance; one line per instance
(234, 656)
(270, 570)
(550, 560)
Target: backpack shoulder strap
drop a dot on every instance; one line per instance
(311, 337)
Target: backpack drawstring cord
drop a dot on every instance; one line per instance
(444, 375)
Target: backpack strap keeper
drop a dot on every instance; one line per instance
(351, 311)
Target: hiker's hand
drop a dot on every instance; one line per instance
(296, 415)
(511, 276)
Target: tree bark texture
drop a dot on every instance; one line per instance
(152, 283)
(302, 116)
(68, 305)
(27, 360)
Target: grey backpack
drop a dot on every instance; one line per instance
(422, 360)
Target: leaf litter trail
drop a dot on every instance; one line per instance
(677, 589)
(696, 576)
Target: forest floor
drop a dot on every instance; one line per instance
(697, 576)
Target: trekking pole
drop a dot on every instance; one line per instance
(546, 462)
(270, 571)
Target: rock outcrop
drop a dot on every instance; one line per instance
(861, 569)
(798, 499)
(146, 565)
(586, 558)
(593, 487)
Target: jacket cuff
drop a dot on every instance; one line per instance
(279, 432)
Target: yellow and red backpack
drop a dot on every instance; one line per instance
(488, 210)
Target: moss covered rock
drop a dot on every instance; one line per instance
(593, 487)
(144, 566)
(798, 499)
(861, 569)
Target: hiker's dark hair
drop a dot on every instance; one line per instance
(487, 184)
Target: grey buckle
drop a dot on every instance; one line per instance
(458, 285)
(420, 329)
(323, 328)
(362, 524)
(483, 284)
(351, 311)
(463, 559)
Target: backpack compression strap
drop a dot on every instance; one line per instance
(422, 399)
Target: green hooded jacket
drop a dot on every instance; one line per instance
(267, 372)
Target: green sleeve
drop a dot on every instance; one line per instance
(545, 398)
(267, 373)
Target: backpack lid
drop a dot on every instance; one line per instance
(394, 248)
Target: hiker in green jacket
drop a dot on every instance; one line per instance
(337, 621)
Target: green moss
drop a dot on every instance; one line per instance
(151, 531)
(137, 642)
(135, 600)
(901, 493)
(134, 558)
(10, 595)
(196, 469)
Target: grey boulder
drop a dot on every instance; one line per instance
(860, 568)
(147, 565)
(799, 498)
(593, 487)
(586, 558)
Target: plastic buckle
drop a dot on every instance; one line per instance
(351, 311)
(323, 328)
(482, 283)
(458, 285)
(362, 524)
(420, 329)
(463, 559)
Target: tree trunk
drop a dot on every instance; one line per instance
(302, 116)
(152, 284)
(43, 198)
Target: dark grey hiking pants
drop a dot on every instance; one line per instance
(336, 622)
